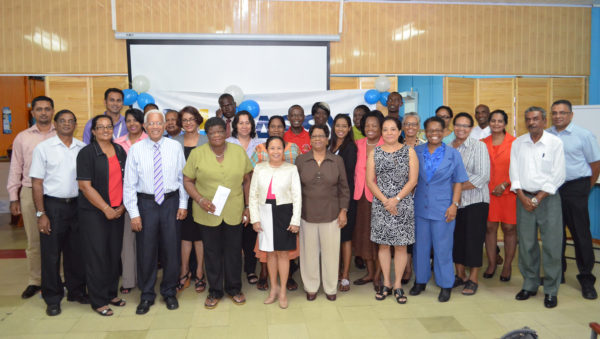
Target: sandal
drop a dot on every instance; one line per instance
(211, 302)
(186, 281)
(262, 284)
(384, 291)
(377, 284)
(252, 278)
(400, 297)
(125, 290)
(458, 281)
(291, 284)
(118, 302)
(238, 299)
(344, 285)
(107, 312)
(200, 284)
(470, 288)
(362, 281)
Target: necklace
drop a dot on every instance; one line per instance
(371, 144)
(218, 155)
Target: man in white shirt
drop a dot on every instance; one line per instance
(482, 115)
(154, 196)
(537, 170)
(54, 185)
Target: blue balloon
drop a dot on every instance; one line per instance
(129, 97)
(383, 98)
(371, 96)
(144, 99)
(251, 107)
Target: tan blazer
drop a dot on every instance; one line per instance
(286, 187)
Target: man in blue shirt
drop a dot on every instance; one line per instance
(582, 158)
(113, 100)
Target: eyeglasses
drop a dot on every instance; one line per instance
(106, 128)
(187, 121)
(155, 123)
(65, 122)
(410, 124)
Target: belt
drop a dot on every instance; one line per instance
(63, 200)
(530, 193)
(151, 196)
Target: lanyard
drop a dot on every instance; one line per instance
(119, 131)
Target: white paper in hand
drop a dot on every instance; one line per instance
(265, 238)
(220, 199)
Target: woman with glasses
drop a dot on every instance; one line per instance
(189, 119)
(100, 168)
(445, 113)
(471, 217)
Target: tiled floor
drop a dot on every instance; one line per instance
(356, 314)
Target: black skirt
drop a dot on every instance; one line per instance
(190, 231)
(283, 240)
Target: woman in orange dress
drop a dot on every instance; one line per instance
(503, 205)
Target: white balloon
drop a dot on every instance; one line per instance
(236, 92)
(382, 83)
(140, 83)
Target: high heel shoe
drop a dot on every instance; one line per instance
(505, 279)
(283, 303)
(489, 275)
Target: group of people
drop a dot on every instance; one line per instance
(146, 191)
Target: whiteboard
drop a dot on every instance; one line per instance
(210, 66)
(588, 117)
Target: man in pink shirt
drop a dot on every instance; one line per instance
(18, 179)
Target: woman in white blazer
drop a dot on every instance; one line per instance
(275, 204)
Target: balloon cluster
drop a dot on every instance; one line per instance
(140, 84)
(250, 106)
(380, 93)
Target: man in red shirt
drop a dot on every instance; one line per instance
(297, 134)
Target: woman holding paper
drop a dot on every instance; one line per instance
(213, 177)
(275, 201)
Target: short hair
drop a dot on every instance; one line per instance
(113, 90)
(236, 121)
(447, 108)
(41, 98)
(295, 106)
(434, 119)
(225, 95)
(401, 97)
(563, 102)
(482, 105)
(154, 106)
(276, 137)
(374, 113)
(349, 137)
(322, 127)
(464, 115)
(536, 109)
(275, 117)
(504, 117)
(153, 111)
(398, 123)
(189, 110)
(322, 105)
(64, 111)
(137, 114)
(95, 122)
(413, 114)
(363, 108)
(212, 122)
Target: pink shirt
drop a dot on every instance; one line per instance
(360, 171)
(22, 151)
(126, 143)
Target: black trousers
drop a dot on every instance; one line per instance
(222, 245)
(102, 240)
(469, 234)
(574, 196)
(248, 243)
(160, 236)
(64, 238)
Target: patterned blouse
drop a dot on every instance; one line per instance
(477, 163)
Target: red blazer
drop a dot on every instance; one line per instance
(360, 171)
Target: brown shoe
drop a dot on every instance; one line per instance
(311, 296)
(238, 299)
(330, 297)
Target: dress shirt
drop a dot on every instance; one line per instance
(251, 145)
(119, 129)
(290, 153)
(477, 164)
(431, 161)
(324, 188)
(477, 133)
(284, 182)
(20, 161)
(126, 143)
(539, 166)
(56, 164)
(139, 172)
(581, 149)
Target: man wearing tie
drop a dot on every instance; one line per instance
(154, 196)
(227, 106)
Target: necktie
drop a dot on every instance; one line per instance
(159, 192)
(228, 127)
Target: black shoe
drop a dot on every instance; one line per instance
(444, 295)
(525, 294)
(417, 289)
(489, 275)
(30, 291)
(458, 281)
(359, 263)
(83, 299)
(172, 303)
(550, 301)
(589, 292)
(53, 309)
(144, 307)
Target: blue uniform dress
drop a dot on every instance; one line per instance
(438, 172)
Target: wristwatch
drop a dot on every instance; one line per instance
(534, 201)
(39, 213)
(398, 198)
(455, 204)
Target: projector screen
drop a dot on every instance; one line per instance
(211, 66)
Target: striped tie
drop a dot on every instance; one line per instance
(159, 191)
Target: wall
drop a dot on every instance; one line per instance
(75, 37)
(429, 89)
